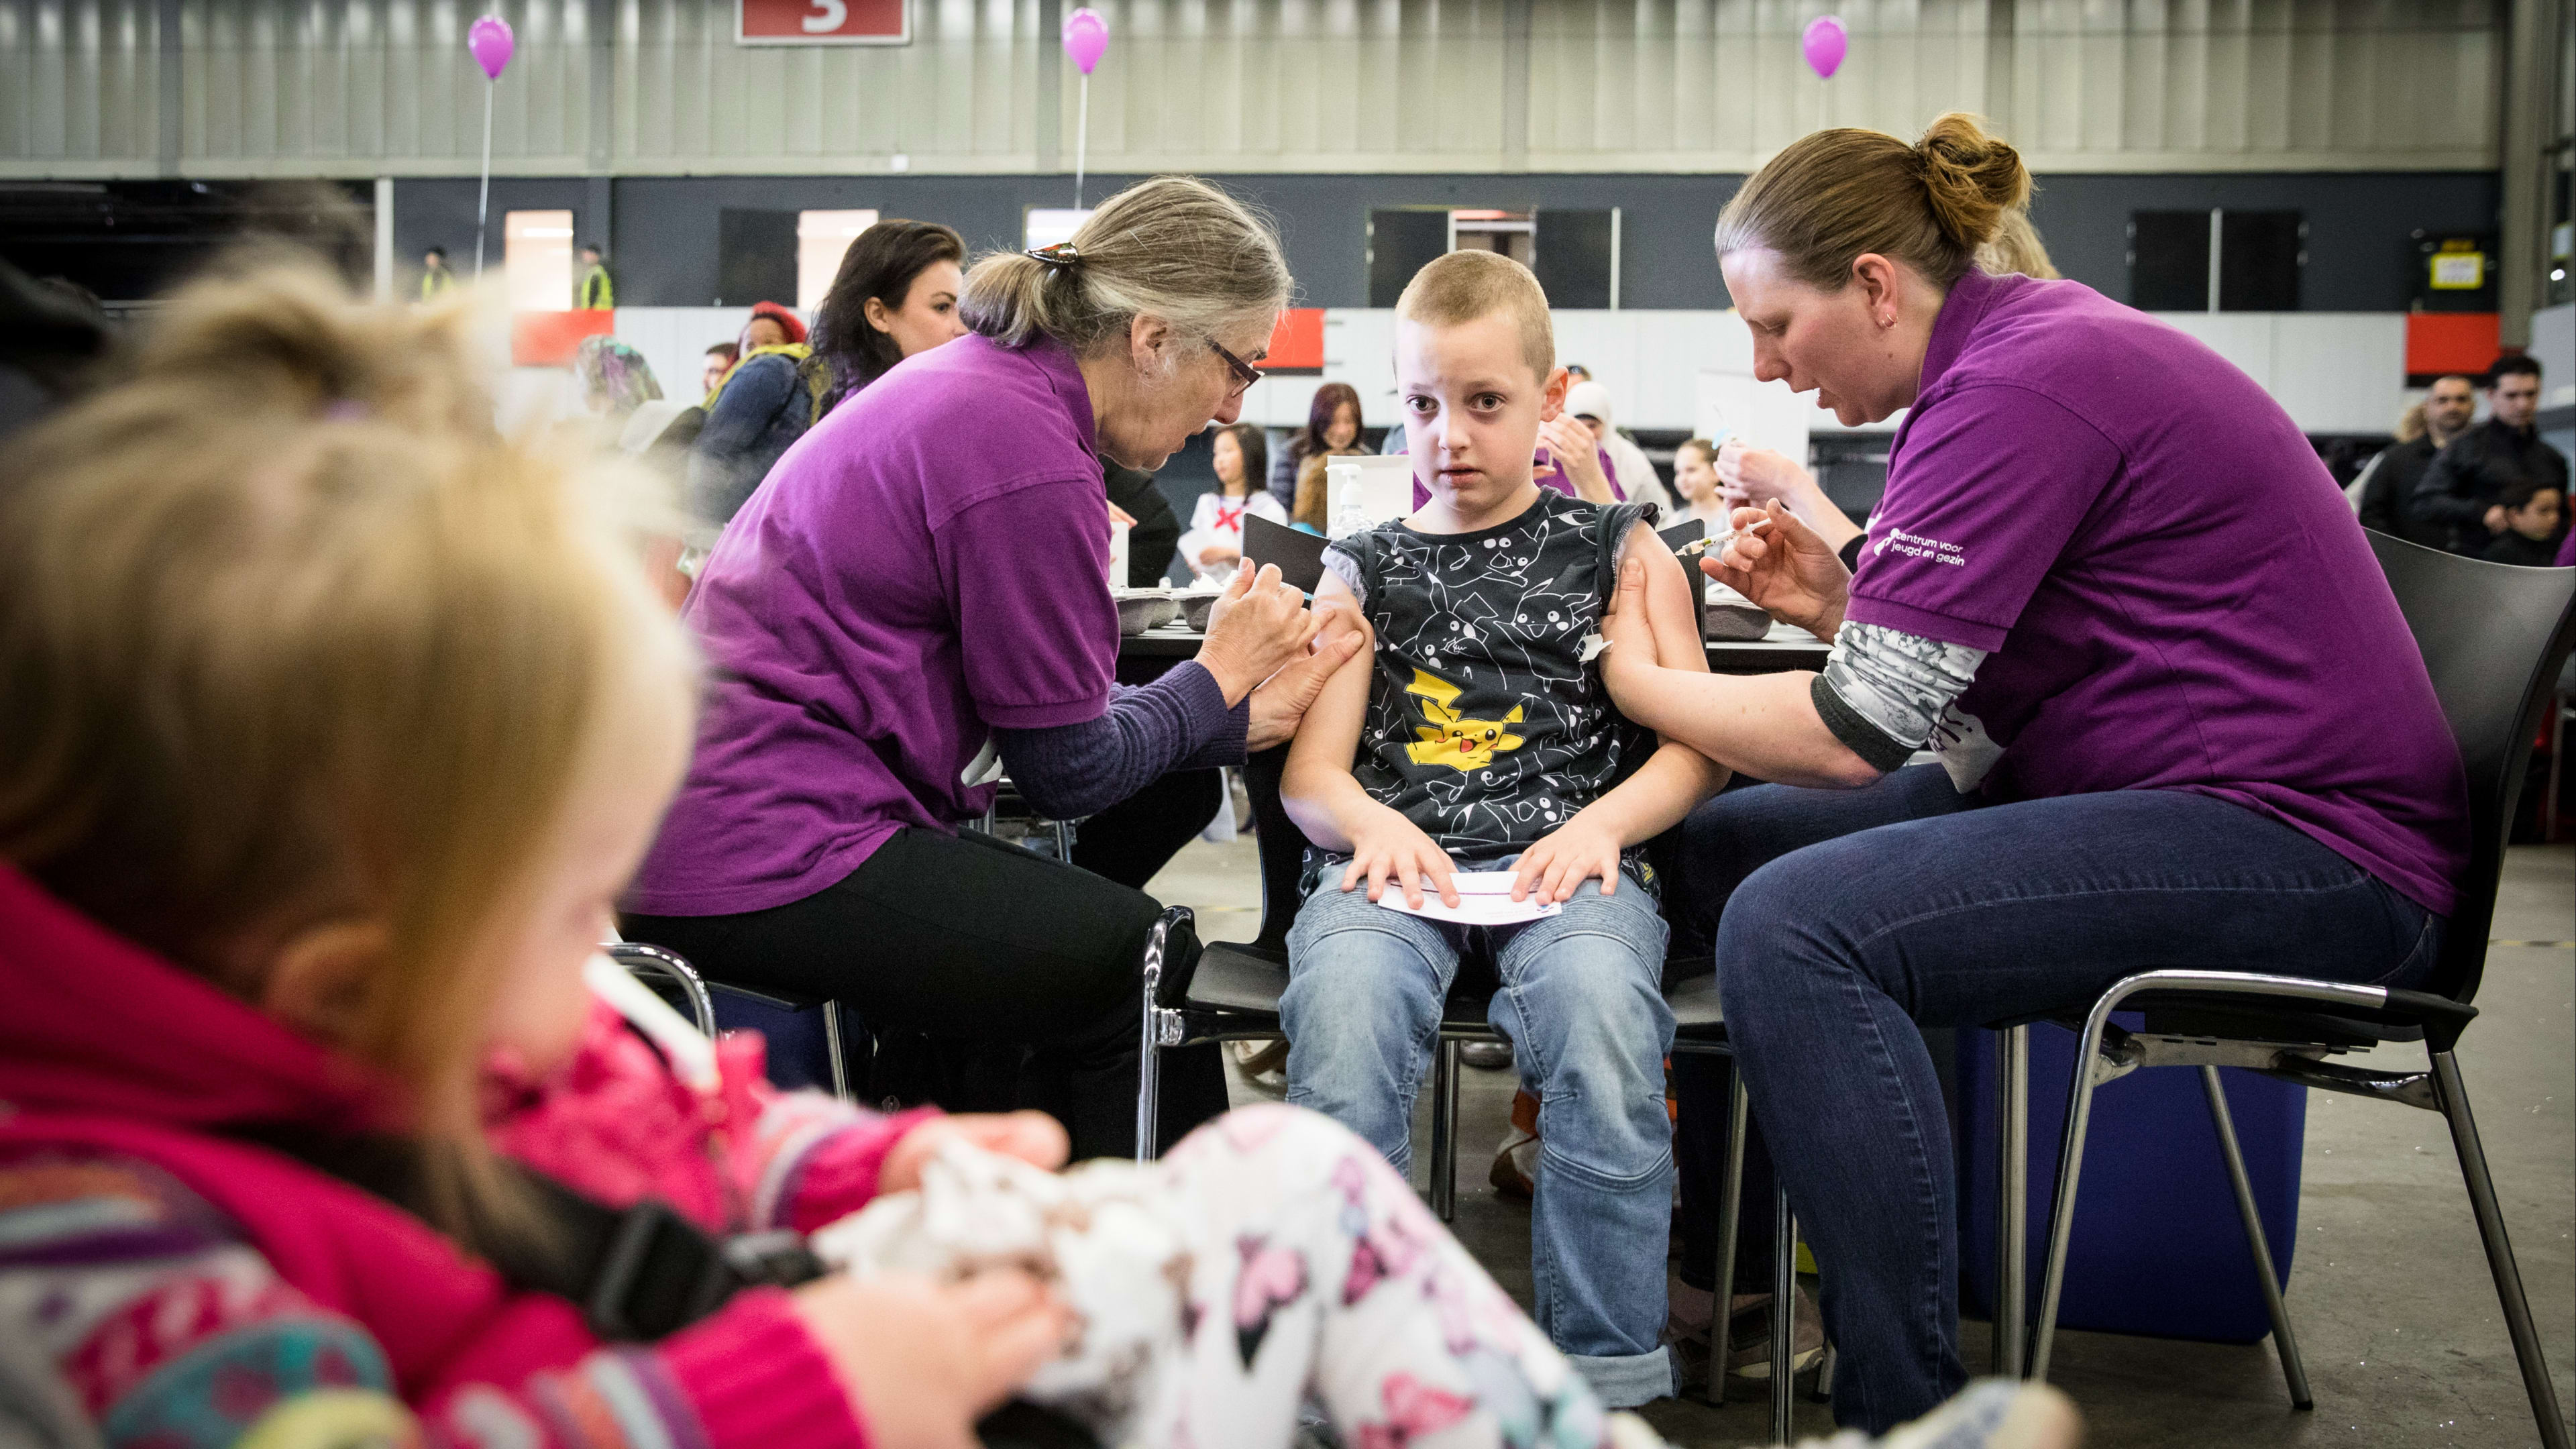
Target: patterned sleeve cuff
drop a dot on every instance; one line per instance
(836, 1174)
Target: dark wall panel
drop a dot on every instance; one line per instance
(664, 236)
(2361, 248)
(441, 214)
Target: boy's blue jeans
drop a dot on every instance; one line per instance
(1581, 1000)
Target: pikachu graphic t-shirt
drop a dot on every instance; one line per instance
(1487, 723)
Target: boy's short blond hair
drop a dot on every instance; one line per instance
(1463, 287)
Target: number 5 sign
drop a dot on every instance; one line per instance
(824, 22)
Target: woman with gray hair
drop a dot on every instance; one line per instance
(917, 598)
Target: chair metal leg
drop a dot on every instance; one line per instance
(1160, 1027)
(2283, 1339)
(2559, 709)
(2070, 1166)
(2012, 1201)
(1444, 1129)
(1823, 1392)
(1149, 1084)
(832, 1049)
(1730, 1217)
(1784, 1315)
(2491, 1234)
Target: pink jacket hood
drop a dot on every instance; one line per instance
(96, 1024)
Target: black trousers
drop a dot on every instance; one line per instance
(1131, 841)
(968, 939)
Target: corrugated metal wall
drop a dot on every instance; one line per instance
(350, 87)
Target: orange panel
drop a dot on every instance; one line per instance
(1297, 344)
(2444, 342)
(547, 339)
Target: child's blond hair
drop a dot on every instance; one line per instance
(291, 637)
(1463, 287)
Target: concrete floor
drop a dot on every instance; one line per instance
(2396, 1315)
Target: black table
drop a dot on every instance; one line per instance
(1142, 657)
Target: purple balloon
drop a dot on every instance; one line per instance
(491, 42)
(1824, 44)
(1086, 38)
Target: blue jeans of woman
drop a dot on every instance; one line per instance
(1845, 920)
(1580, 996)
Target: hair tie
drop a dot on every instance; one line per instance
(1061, 256)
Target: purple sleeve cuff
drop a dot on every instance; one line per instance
(1207, 703)
(1179, 721)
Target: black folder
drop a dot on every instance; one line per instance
(1299, 554)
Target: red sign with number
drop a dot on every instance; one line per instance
(824, 22)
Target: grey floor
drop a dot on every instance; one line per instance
(2390, 1294)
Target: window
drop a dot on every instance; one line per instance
(755, 256)
(821, 239)
(1044, 226)
(1512, 233)
(1574, 253)
(2216, 260)
(536, 260)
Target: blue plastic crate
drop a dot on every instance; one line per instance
(2157, 1245)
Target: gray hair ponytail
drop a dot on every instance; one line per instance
(1173, 247)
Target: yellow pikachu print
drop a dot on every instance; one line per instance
(1461, 744)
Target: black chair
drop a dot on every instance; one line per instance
(2492, 637)
(1231, 991)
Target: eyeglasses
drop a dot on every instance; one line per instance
(1245, 375)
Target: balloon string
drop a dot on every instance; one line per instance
(1081, 140)
(483, 204)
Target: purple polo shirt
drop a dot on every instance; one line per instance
(2172, 592)
(925, 565)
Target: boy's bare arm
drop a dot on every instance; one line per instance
(1664, 789)
(1317, 788)
(1387, 851)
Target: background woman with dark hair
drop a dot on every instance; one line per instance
(895, 295)
(1332, 427)
(1214, 544)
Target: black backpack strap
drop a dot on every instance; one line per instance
(638, 1274)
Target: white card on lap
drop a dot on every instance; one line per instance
(1484, 899)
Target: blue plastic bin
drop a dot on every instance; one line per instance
(2157, 1245)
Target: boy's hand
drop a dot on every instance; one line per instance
(1563, 859)
(1032, 1137)
(1389, 848)
(921, 1361)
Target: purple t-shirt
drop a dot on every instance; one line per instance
(2172, 592)
(927, 564)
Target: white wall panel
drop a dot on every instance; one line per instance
(353, 86)
(80, 85)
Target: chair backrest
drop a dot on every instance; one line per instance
(1281, 844)
(2492, 637)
